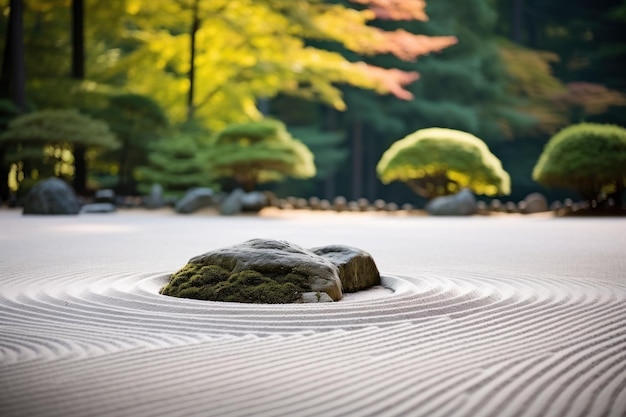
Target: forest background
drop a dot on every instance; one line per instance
(517, 72)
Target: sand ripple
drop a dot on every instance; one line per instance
(101, 343)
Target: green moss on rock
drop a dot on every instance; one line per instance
(214, 283)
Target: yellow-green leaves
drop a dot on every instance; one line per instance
(442, 161)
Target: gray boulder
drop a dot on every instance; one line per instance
(194, 200)
(155, 200)
(51, 196)
(98, 208)
(277, 259)
(233, 202)
(254, 201)
(357, 269)
(105, 195)
(534, 203)
(461, 204)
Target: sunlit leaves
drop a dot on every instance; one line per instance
(249, 49)
(438, 161)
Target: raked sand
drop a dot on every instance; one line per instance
(482, 316)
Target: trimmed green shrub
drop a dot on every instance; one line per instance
(589, 158)
(437, 161)
(258, 152)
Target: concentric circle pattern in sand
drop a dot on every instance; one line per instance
(101, 341)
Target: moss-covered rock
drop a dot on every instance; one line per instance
(256, 271)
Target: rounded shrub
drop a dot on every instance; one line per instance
(589, 158)
(438, 161)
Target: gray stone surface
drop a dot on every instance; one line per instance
(194, 200)
(277, 258)
(357, 269)
(461, 204)
(105, 195)
(51, 196)
(254, 201)
(534, 203)
(233, 202)
(155, 200)
(98, 208)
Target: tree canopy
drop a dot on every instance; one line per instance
(258, 152)
(244, 50)
(440, 161)
(589, 158)
(177, 164)
(59, 126)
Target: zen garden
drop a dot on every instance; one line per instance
(313, 208)
(246, 106)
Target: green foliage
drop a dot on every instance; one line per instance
(53, 127)
(138, 122)
(438, 161)
(327, 147)
(462, 88)
(177, 164)
(211, 282)
(44, 143)
(258, 152)
(588, 157)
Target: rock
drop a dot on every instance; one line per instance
(510, 207)
(357, 269)
(194, 200)
(98, 208)
(275, 259)
(391, 207)
(155, 200)
(253, 201)
(363, 204)
(301, 203)
(556, 206)
(106, 195)
(315, 297)
(534, 203)
(340, 203)
(314, 203)
(233, 204)
(51, 196)
(379, 204)
(325, 205)
(496, 205)
(461, 204)
(482, 207)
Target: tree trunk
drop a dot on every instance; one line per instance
(78, 40)
(357, 159)
(4, 178)
(78, 73)
(195, 25)
(517, 21)
(13, 77)
(80, 167)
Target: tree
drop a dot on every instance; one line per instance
(589, 158)
(258, 152)
(439, 161)
(63, 129)
(330, 154)
(177, 164)
(249, 49)
(137, 121)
